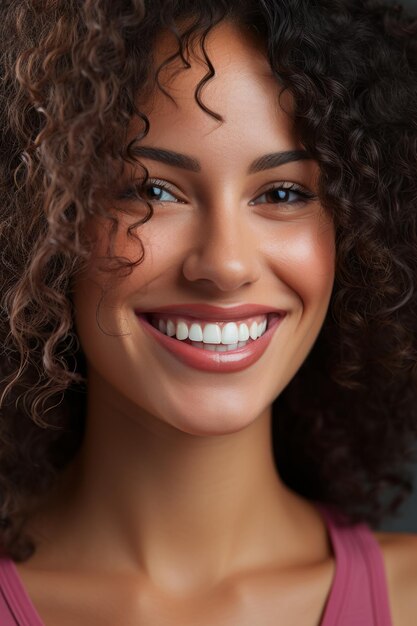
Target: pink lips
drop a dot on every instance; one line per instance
(211, 312)
(201, 359)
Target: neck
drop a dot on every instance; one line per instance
(181, 509)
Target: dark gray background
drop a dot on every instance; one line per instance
(411, 4)
(406, 521)
(406, 518)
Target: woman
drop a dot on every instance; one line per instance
(209, 268)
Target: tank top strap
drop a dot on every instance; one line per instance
(16, 607)
(359, 593)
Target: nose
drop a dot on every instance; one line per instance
(226, 254)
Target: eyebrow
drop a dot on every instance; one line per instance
(186, 162)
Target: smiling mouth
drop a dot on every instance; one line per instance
(214, 355)
(210, 335)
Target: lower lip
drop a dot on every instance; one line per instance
(209, 361)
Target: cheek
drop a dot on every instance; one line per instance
(102, 296)
(304, 259)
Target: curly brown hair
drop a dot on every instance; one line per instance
(344, 428)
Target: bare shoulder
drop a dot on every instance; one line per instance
(399, 552)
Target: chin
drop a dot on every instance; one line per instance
(204, 421)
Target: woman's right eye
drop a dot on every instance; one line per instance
(152, 191)
(161, 196)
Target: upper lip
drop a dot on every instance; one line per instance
(209, 311)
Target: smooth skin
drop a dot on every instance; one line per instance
(173, 511)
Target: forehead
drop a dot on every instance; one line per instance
(242, 90)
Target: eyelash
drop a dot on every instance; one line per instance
(305, 195)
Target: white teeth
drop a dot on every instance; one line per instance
(230, 333)
(195, 333)
(182, 331)
(212, 334)
(170, 328)
(243, 332)
(253, 331)
(221, 348)
(218, 348)
(262, 328)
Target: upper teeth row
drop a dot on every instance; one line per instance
(213, 333)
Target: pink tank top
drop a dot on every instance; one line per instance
(358, 594)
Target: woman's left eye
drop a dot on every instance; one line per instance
(280, 194)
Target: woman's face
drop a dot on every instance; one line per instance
(220, 235)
